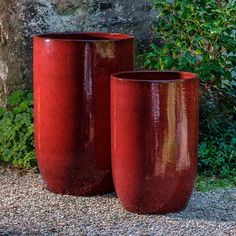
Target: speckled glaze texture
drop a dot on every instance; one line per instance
(72, 108)
(154, 124)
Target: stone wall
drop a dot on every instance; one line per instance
(21, 19)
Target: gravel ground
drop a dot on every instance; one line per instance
(27, 208)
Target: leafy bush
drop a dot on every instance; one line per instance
(199, 36)
(17, 130)
(217, 154)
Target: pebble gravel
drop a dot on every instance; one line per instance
(27, 208)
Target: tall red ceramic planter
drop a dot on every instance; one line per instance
(154, 123)
(72, 108)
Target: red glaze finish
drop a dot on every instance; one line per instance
(154, 120)
(72, 108)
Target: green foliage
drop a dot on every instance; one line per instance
(205, 184)
(17, 130)
(199, 36)
(217, 153)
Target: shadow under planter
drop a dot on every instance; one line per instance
(72, 108)
(154, 124)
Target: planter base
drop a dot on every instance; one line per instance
(106, 186)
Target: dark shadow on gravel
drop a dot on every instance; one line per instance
(110, 195)
(219, 206)
(9, 233)
(107, 195)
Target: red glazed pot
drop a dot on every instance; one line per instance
(72, 108)
(154, 124)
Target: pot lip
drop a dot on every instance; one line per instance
(186, 76)
(104, 36)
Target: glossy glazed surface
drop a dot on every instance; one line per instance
(154, 124)
(72, 108)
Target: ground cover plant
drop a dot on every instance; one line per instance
(17, 130)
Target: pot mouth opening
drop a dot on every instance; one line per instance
(85, 36)
(154, 76)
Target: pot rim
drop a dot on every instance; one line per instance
(89, 36)
(182, 76)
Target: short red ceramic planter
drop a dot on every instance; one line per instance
(154, 124)
(72, 108)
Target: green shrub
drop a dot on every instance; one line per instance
(17, 130)
(217, 153)
(199, 36)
